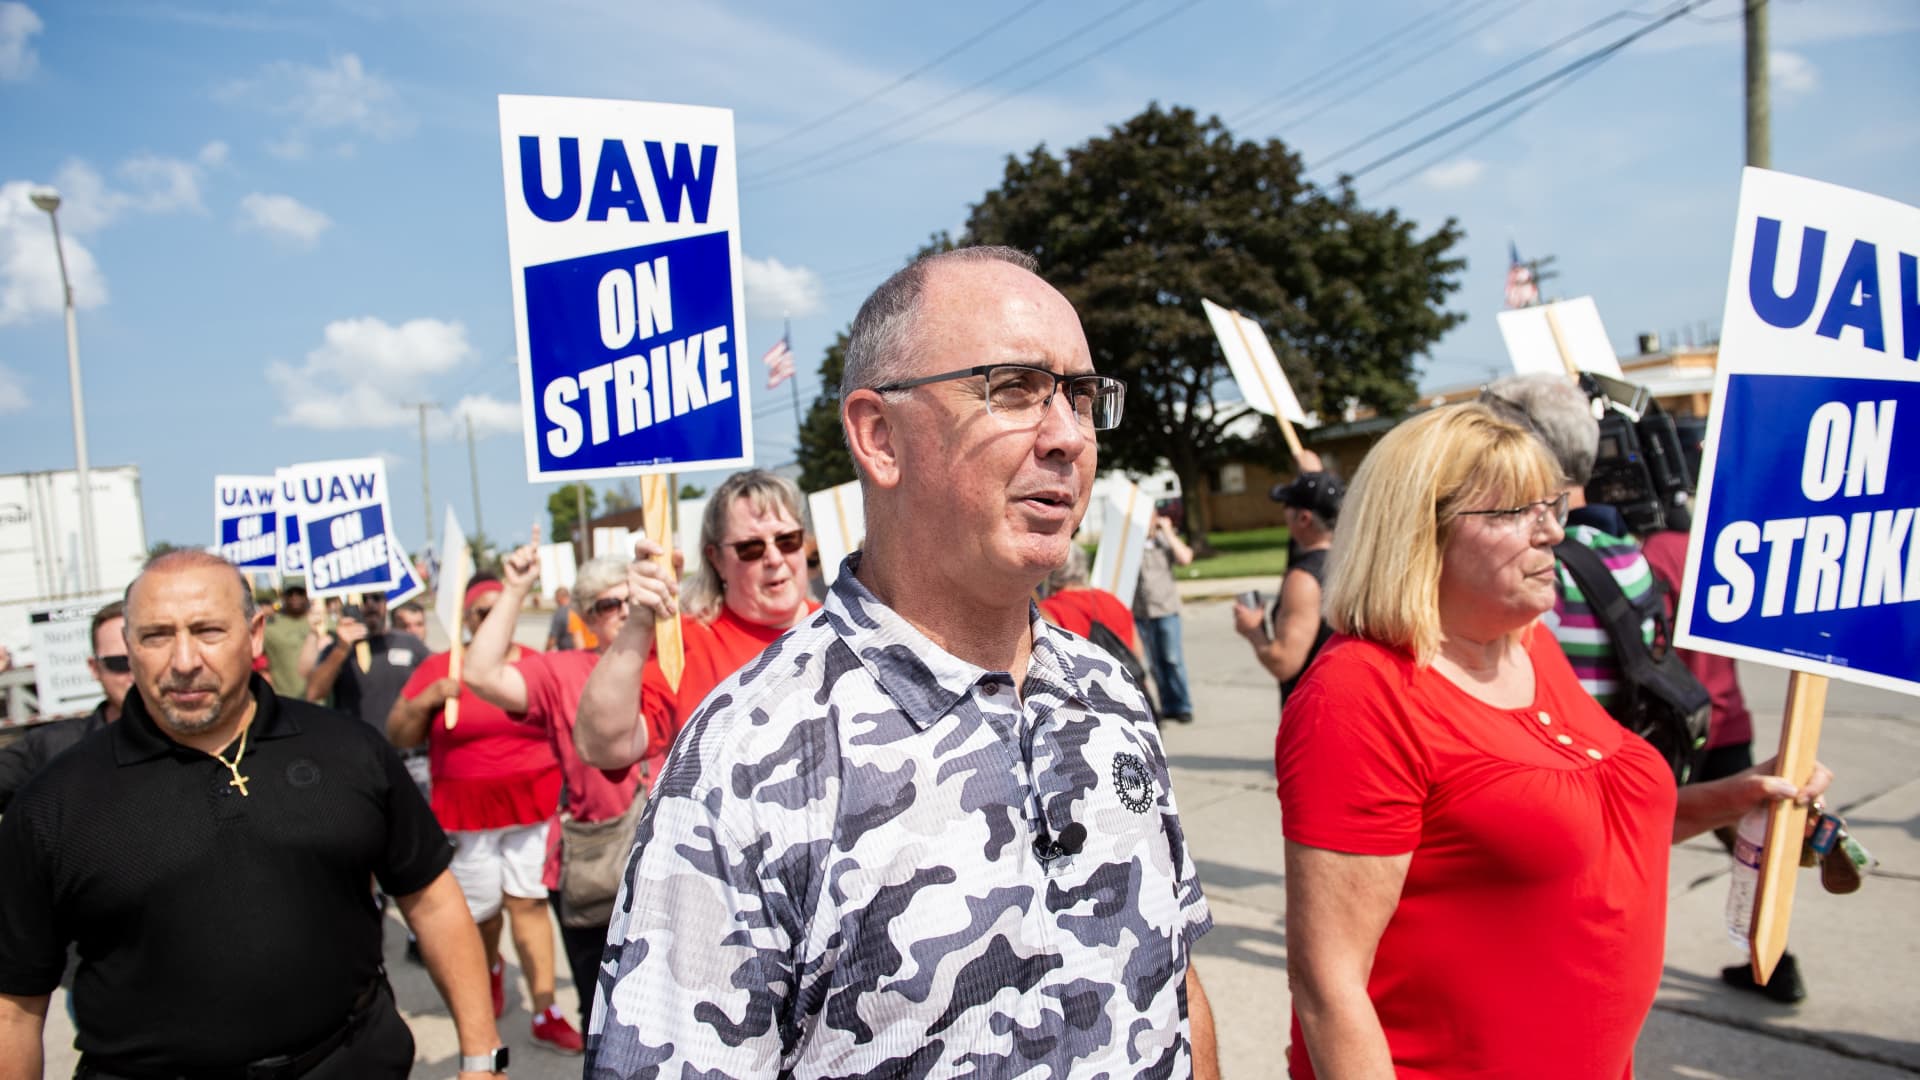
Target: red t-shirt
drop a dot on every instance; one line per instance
(1731, 723)
(488, 772)
(1529, 932)
(714, 651)
(554, 681)
(1078, 609)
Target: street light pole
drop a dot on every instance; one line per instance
(90, 561)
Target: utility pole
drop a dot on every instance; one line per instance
(1759, 112)
(473, 468)
(426, 484)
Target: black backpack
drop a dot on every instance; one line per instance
(1659, 699)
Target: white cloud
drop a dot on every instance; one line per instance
(29, 269)
(13, 393)
(775, 290)
(283, 217)
(214, 154)
(1454, 175)
(1791, 74)
(366, 373)
(341, 97)
(18, 24)
(160, 185)
(491, 416)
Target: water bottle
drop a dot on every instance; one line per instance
(1748, 843)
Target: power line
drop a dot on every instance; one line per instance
(1246, 114)
(843, 144)
(1476, 84)
(897, 83)
(1015, 92)
(1490, 129)
(1346, 73)
(1408, 65)
(1559, 73)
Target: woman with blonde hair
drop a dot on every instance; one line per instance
(749, 587)
(1473, 846)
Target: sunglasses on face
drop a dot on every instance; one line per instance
(118, 665)
(755, 549)
(607, 605)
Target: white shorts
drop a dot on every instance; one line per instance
(490, 862)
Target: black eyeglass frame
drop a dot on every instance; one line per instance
(118, 665)
(1079, 378)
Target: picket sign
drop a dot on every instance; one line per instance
(1807, 498)
(1123, 541)
(1251, 358)
(456, 571)
(839, 516)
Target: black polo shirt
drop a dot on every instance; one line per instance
(213, 929)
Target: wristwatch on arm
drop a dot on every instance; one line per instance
(494, 1062)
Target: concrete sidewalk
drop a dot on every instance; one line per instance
(1860, 954)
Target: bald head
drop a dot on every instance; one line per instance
(192, 559)
(882, 342)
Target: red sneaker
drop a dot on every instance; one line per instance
(551, 1030)
(497, 981)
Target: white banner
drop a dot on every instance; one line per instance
(1531, 339)
(1123, 540)
(61, 648)
(345, 526)
(839, 525)
(1263, 383)
(456, 570)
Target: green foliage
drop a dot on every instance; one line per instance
(691, 491)
(1135, 226)
(619, 498)
(823, 456)
(564, 508)
(161, 547)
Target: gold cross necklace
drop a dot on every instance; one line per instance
(233, 766)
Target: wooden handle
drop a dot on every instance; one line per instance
(1786, 823)
(657, 509)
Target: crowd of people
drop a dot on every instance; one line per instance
(921, 825)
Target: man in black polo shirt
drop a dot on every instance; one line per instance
(211, 854)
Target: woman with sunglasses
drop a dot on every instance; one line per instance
(1476, 853)
(749, 588)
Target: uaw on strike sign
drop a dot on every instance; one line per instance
(623, 235)
(1805, 551)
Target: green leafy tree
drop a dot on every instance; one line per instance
(563, 506)
(691, 491)
(1136, 226)
(161, 547)
(824, 460)
(619, 498)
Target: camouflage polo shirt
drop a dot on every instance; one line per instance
(837, 874)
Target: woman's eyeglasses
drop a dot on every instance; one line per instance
(756, 549)
(1525, 519)
(607, 605)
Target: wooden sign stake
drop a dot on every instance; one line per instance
(1786, 823)
(656, 502)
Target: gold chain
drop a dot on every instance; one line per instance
(233, 766)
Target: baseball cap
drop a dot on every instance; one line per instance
(1319, 492)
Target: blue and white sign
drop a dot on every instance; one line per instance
(406, 583)
(246, 530)
(286, 505)
(623, 234)
(345, 526)
(1805, 550)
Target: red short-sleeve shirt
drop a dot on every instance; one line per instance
(488, 772)
(1078, 609)
(1529, 933)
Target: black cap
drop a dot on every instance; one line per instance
(1319, 492)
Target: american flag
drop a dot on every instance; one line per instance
(1521, 290)
(779, 361)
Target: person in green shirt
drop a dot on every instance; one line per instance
(287, 630)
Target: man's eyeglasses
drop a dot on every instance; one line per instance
(755, 549)
(118, 665)
(1525, 519)
(607, 605)
(1022, 393)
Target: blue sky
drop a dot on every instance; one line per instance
(285, 220)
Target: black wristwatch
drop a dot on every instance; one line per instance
(494, 1062)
